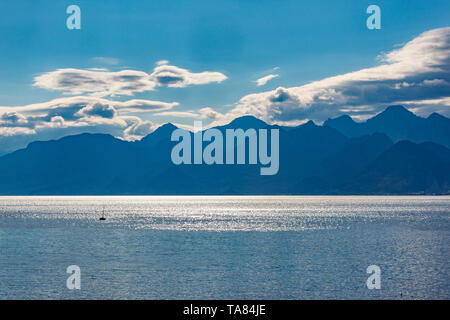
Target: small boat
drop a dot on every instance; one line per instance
(102, 218)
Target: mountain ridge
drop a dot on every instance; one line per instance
(398, 123)
(314, 159)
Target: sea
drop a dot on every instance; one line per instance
(225, 247)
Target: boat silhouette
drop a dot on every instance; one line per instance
(103, 215)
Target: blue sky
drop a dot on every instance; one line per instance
(237, 42)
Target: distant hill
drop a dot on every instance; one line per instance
(340, 157)
(398, 124)
(82, 163)
(406, 167)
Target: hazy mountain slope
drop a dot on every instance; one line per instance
(405, 168)
(398, 124)
(82, 163)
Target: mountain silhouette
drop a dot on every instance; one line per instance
(75, 164)
(397, 123)
(340, 157)
(354, 156)
(162, 133)
(406, 167)
(246, 122)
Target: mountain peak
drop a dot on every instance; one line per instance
(393, 115)
(397, 107)
(247, 122)
(310, 123)
(165, 129)
(397, 110)
(341, 120)
(161, 132)
(436, 116)
(166, 126)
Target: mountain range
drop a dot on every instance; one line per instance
(399, 124)
(394, 152)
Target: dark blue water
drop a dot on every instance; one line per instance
(225, 247)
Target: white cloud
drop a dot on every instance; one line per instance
(98, 82)
(408, 73)
(262, 81)
(12, 118)
(434, 82)
(140, 105)
(81, 112)
(162, 62)
(171, 76)
(137, 128)
(78, 102)
(13, 131)
(101, 82)
(97, 110)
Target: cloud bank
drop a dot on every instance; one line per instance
(89, 109)
(417, 75)
(81, 112)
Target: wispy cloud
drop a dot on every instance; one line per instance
(262, 81)
(203, 113)
(162, 62)
(107, 60)
(101, 82)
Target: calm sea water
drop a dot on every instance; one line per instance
(225, 247)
